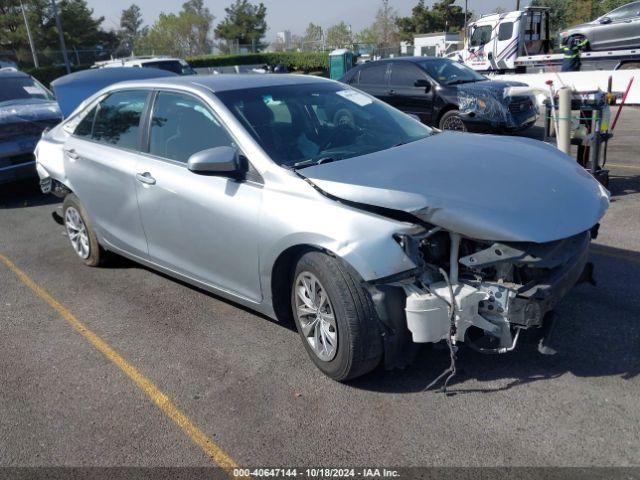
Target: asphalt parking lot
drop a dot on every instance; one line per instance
(122, 366)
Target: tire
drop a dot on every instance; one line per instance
(75, 219)
(450, 119)
(358, 344)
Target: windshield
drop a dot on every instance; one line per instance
(15, 90)
(302, 125)
(480, 36)
(448, 72)
(174, 66)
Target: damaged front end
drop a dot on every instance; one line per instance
(477, 292)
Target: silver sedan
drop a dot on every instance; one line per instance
(310, 201)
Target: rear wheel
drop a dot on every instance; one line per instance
(335, 317)
(452, 120)
(80, 232)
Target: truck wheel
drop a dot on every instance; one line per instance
(335, 317)
(80, 232)
(452, 120)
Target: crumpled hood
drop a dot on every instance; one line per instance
(483, 186)
(29, 112)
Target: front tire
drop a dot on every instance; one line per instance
(335, 317)
(80, 232)
(452, 120)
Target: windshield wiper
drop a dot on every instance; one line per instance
(313, 161)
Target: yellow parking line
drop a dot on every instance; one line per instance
(162, 401)
(620, 256)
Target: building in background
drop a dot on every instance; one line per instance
(435, 44)
(283, 39)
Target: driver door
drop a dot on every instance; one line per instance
(200, 226)
(405, 95)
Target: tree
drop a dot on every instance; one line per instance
(384, 28)
(339, 36)
(244, 23)
(366, 36)
(181, 35)
(312, 39)
(200, 19)
(130, 27)
(443, 16)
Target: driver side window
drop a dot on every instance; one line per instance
(182, 125)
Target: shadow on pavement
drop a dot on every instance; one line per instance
(25, 193)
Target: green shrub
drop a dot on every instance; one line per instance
(295, 61)
(46, 75)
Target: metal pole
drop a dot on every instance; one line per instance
(60, 34)
(33, 48)
(564, 120)
(466, 16)
(517, 4)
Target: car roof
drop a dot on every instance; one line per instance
(406, 59)
(226, 82)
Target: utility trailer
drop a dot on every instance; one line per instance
(520, 42)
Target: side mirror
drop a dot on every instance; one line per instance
(605, 20)
(223, 161)
(423, 83)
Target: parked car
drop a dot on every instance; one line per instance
(170, 64)
(306, 199)
(26, 109)
(445, 94)
(620, 28)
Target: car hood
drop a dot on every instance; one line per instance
(29, 112)
(493, 86)
(482, 186)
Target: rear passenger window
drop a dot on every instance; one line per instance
(373, 75)
(182, 126)
(117, 120)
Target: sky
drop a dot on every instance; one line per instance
(293, 15)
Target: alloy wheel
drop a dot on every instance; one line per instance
(454, 123)
(316, 316)
(77, 232)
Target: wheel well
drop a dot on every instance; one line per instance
(282, 276)
(446, 109)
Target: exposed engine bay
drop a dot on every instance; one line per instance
(485, 293)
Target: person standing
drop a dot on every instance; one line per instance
(572, 49)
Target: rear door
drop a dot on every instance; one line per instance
(200, 226)
(100, 160)
(405, 95)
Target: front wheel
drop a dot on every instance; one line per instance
(335, 317)
(452, 120)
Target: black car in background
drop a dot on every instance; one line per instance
(26, 109)
(445, 94)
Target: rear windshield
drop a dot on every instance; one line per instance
(21, 90)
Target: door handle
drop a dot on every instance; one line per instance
(392, 92)
(71, 153)
(145, 178)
